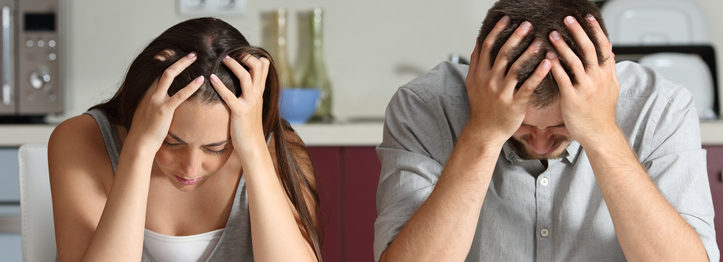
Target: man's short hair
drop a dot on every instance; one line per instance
(545, 16)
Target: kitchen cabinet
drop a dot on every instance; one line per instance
(347, 192)
(715, 175)
(348, 178)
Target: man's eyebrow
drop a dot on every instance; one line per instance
(560, 125)
(211, 144)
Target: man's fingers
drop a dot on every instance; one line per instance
(512, 80)
(606, 48)
(583, 41)
(534, 81)
(186, 92)
(561, 78)
(484, 56)
(164, 82)
(567, 54)
(473, 63)
(503, 57)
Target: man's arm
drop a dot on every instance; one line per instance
(647, 226)
(442, 229)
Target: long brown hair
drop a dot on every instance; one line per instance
(212, 39)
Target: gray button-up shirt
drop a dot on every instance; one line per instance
(533, 213)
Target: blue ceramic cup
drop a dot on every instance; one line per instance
(297, 105)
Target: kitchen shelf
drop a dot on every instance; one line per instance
(337, 134)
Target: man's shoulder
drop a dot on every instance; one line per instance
(638, 82)
(443, 82)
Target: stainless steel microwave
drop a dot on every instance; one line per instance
(29, 58)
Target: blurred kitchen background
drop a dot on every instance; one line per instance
(371, 48)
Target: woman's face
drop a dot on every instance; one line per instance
(198, 144)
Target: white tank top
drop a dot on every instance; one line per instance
(181, 248)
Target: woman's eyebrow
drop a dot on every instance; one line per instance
(219, 143)
(175, 137)
(211, 144)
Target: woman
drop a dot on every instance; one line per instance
(207, 170)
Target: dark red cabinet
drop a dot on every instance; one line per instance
(347, 193)
(715, 168)
(347, 185)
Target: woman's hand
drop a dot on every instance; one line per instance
(154, 113)
(247, 131)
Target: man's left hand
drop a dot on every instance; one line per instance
(587, 103)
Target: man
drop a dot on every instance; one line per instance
(543, 150)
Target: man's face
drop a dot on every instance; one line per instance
(542, 134)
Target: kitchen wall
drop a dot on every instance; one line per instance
(372, 47)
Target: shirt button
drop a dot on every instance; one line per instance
(544, 232)
(544, 181)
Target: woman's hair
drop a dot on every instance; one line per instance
(212, 39)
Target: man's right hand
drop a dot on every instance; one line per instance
(496, 109)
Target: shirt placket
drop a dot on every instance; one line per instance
(543, 225)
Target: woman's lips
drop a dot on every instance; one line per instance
(188, 182)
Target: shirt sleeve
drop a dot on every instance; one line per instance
(676, 163)
(409, 172)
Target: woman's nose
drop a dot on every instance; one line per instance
(191, 165)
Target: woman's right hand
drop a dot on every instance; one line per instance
(154, 113)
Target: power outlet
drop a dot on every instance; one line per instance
(211, 7)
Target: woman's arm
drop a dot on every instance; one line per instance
(275, 232)
(109, 227)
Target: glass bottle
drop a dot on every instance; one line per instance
(316, 75)
(281, 56)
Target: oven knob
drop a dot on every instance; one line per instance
(40, 79)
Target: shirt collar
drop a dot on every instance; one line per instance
(570, 154)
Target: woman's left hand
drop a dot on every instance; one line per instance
(246, 128)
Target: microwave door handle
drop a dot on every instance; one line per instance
(7, 55)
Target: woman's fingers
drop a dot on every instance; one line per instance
(224, 92)
(241, 73)
(171, 72)
(185, 92)
(259, 68)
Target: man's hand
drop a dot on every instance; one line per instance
(588, 104)
(497, 110)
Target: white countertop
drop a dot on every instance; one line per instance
(337, 134)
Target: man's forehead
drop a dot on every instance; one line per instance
(549, 116)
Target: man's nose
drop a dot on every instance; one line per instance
(541, 141)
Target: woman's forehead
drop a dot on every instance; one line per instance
(200, 122)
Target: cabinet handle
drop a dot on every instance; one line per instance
(7, 52)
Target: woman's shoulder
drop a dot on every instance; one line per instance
(76, 146)
(81, 129)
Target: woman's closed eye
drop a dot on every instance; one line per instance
(216, 149)
(168, 143)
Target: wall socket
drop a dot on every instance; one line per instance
(211, 7)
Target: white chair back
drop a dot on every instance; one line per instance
(36, 207)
